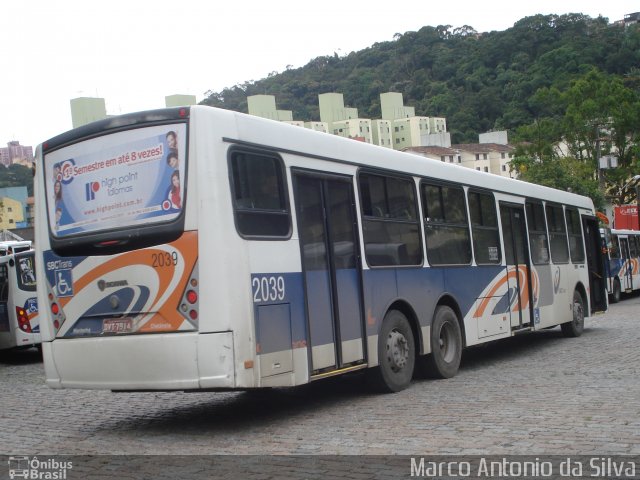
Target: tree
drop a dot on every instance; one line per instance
(16, 175)
(565, 173)
(602, 117)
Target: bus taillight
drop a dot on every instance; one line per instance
(189, 306)
(23, 320)
(192, 297)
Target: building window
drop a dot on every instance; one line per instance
(397, 140)
(442, 158)
(9, 209)
(484, 156)
(397, 129)
(486, 169)
(504, 168)
(477, 156)
(450, 158)
(459, 159)
(478, 168)
(502, 155)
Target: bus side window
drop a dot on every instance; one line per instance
(557, 234)
(4, 283)
(538, 240)
(633, 250)
(390, 222)
(576, 244)
(259, 198)
(614, 249)
(484, 226)
(446, 225)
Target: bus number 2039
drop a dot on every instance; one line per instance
(268, 289)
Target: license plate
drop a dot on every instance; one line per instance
(117, 325)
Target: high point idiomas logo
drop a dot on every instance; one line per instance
(91, 188)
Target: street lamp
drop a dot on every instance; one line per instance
(635, 179)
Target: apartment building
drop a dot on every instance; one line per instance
(485, 157)
(16, 153)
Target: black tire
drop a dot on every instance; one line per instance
(575, 327)
(617, 291)
(396, 354)
(446, 345)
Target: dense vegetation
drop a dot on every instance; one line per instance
(546, 79)
(16, 176)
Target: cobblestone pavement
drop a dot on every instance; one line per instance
(534, 394)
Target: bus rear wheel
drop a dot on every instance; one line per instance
(575, 327)
(446, 345)
(617, 291)
(396, 354)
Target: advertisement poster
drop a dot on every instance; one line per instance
(118, 180)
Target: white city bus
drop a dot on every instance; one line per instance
(622, 264)
(8, 247)
(199, 248)
(19, 322)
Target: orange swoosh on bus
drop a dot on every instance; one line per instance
(187, 245)
(524, 289)
(519, 271)
(500, 281)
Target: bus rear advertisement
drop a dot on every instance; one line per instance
(202, 249)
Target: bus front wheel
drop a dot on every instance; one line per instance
(396, 354)
(446, 345)
(575, 327)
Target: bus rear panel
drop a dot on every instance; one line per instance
(19, 319)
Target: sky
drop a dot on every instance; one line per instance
(133, 53)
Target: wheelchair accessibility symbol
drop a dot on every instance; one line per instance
(64, 283)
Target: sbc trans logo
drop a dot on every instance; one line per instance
(33, 468)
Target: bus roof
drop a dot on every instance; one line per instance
(308, 142)
(286, 138)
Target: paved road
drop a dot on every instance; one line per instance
(534, 394)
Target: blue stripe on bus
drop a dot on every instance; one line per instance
(419, 287)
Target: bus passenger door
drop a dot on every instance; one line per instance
(595, 263)
(331, 268)
(518, 265)
(627, 283)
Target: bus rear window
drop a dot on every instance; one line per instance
(126, 179)
(26, 271)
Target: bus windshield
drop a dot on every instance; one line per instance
(118, 180)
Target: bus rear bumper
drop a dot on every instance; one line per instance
(177, 361)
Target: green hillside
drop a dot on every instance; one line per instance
(547, 78)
